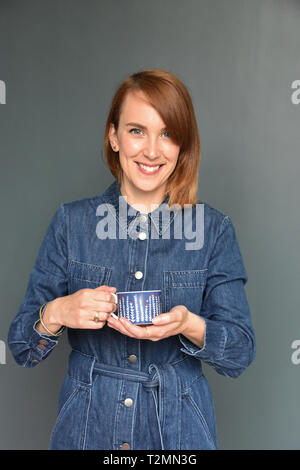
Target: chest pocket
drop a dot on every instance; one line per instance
(184, 288)
(83, 275)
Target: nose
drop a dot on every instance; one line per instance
(152, 148)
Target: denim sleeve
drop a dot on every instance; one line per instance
(229, 343)
(47, 281)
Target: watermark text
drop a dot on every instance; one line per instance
(295, 357)
(295, 97)
(2, 92)
(2, 352)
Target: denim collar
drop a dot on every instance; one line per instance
(161, 218)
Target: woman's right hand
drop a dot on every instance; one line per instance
(78, 310)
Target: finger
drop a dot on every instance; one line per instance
(162, 319)
(99, 316)
(106, 293)
(138, 331)
(105, 288)
(102, 306)
(117, 325)
(103, 297)
(96, 326)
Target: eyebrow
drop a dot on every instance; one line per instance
(136, 124)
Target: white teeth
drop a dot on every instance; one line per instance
(148, 168)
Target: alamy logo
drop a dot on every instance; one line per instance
(2, 92)
(2, 352)
(183, 223)
(295, 358)
(296, 95)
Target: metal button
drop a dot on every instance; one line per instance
(41, 346)
(143, 218)
(125, 446)
(43, 341)
(128, 402)
(132, 358)
(138, 275)
(142, 235)
(34, 361)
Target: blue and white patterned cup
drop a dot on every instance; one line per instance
(139, 306)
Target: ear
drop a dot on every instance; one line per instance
(113, 138)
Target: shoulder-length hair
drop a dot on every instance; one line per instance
(171, 99)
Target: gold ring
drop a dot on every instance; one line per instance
(96, 317)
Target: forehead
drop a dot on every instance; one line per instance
(136, 108)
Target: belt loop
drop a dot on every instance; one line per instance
(169, 405)
(80, 367)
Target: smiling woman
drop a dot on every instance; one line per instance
(152, 123)
(127, 386)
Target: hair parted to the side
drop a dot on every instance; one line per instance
(171, 99)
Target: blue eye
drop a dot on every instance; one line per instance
(138, 132)
(134, 130)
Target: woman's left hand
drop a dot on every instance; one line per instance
(164, 325)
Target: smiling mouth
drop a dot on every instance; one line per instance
(149, 170)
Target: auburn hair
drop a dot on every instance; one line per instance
(171, 99)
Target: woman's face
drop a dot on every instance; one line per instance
(142, 139)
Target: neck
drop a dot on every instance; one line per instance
(141, 200)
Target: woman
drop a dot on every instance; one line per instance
(130, 386)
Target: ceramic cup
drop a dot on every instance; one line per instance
(138, 306)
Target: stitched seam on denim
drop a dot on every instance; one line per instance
(227, 361)
(145, 264)
(117, 415)
(78, 379)
(173, 284)
(118, 219)
(188, 271)
(161, 399)
(223, 343)
(185, 286)
(179, 360)
(29, 355)
(66, 231)
(188, 387)
(135, 399)
(87, 417)
(91, 267)
(65, 405)
(18, 342)
(84, 354)
(204, 423)
(122, 375)
(85, 280)
(219, 234)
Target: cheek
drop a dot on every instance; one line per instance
(130, 146)
(172, 152)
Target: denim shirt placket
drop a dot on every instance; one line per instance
(130, 225)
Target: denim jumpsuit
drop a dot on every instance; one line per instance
(121, 392)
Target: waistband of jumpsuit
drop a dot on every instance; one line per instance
(165, 382)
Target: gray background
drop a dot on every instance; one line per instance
(61, 61)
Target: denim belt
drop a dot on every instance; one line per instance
(162, 381)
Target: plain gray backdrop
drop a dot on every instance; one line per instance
(61, 61)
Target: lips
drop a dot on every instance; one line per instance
(151, 172)
(150, 165)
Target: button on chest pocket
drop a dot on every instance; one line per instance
(84, 275)
(184, 288)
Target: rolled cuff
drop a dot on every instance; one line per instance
(213, 349)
